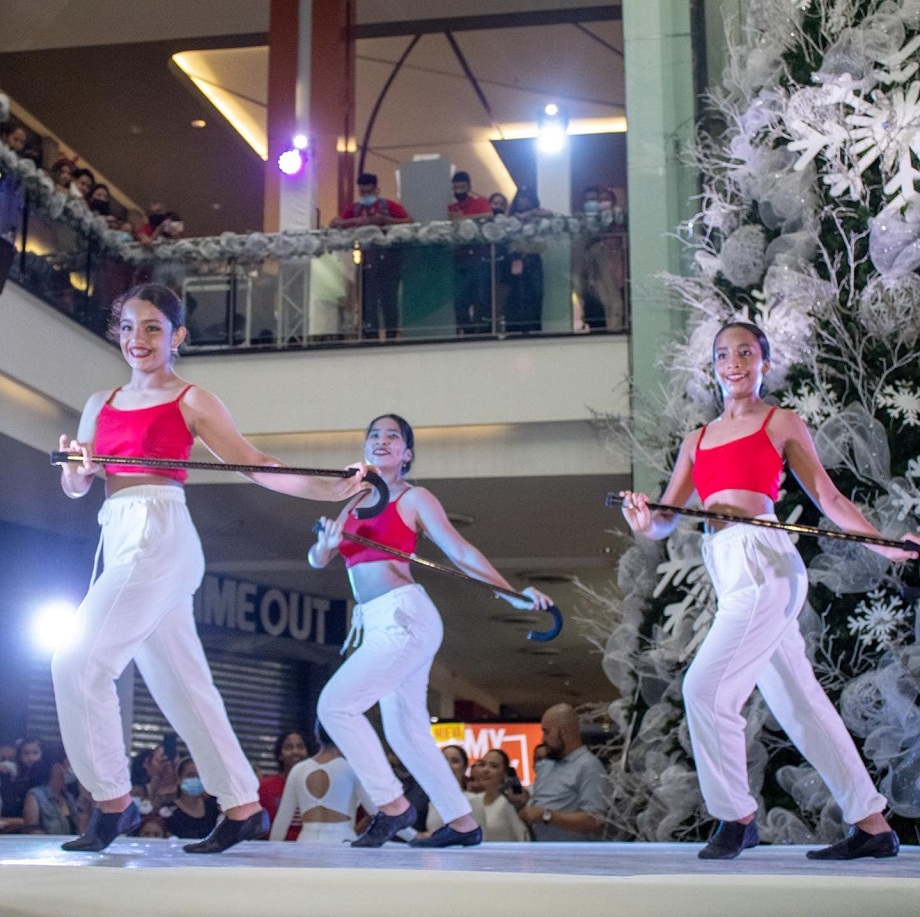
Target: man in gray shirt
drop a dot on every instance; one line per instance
(567, 803)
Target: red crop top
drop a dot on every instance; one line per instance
(749, 463)
(156, 432)
(388, 528)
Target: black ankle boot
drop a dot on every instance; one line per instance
(104, 827)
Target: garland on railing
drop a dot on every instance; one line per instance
(253, 247)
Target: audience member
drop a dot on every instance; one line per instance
(499, 819)
(82, 183)
(161, 224)
(99, 199)
(9, 770)
(524, 308)
(152, 825)
(458, 760)
(599, 266)
(194, 813)
(540, 753)
(567, 802)
(381, 265)
(326, 792)
(474, 778)
(14, 136)
(62, 174)
(499, 203)
(472, 268)
(159, 784)
(15, 786)
(290, 749)
(50, 807)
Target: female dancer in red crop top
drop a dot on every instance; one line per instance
(140, 607)
(760, 582)
(402, 632)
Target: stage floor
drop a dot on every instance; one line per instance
(157, 877)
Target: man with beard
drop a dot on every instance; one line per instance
(567, 803)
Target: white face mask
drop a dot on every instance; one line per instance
(9, 767)
(591, 207)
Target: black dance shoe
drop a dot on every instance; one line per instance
(730, 839)
(859, 844)
(449, 837)
(103, 827)
(384, 828)
(228, 832)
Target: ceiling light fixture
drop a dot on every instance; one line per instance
(552, 127)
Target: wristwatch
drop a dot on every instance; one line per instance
(547, 816)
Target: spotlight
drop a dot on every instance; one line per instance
(54, 625)
(293, 159)
(552, 127)
(291, 162)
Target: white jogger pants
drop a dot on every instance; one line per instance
(402, 633)
(140, 608)
(761, 583)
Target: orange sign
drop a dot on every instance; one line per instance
(516, 740)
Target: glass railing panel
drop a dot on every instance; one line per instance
(433, 282)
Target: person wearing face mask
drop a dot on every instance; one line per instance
(195, 813)
(381, 265)
(472, 267)
(99, 199)
(599, 265)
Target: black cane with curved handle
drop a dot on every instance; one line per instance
(372, 478)
(537, 635)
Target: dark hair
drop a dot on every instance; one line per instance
(753, 329)
(463, 754)
(591, 189)
(504, 757)
(97, 185)
(156, 294)
(139, 762)
(367, 178)
(322, 737)
(461, 176)
(408, 436)
(524, 192)
(79, 173)
(182, 764)
(279, 742)
(41, 771)
(29, 740)
(758, 333)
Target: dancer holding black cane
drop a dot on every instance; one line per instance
(735, 465)
(140, 606)
(402, 631)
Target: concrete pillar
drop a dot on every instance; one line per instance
(310, 91)
(660, 110)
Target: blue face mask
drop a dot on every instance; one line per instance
(192, 786)
(591, 207)
(368, 200)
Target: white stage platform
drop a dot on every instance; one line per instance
(155, 877)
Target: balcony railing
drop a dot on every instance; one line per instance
(424, 282)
